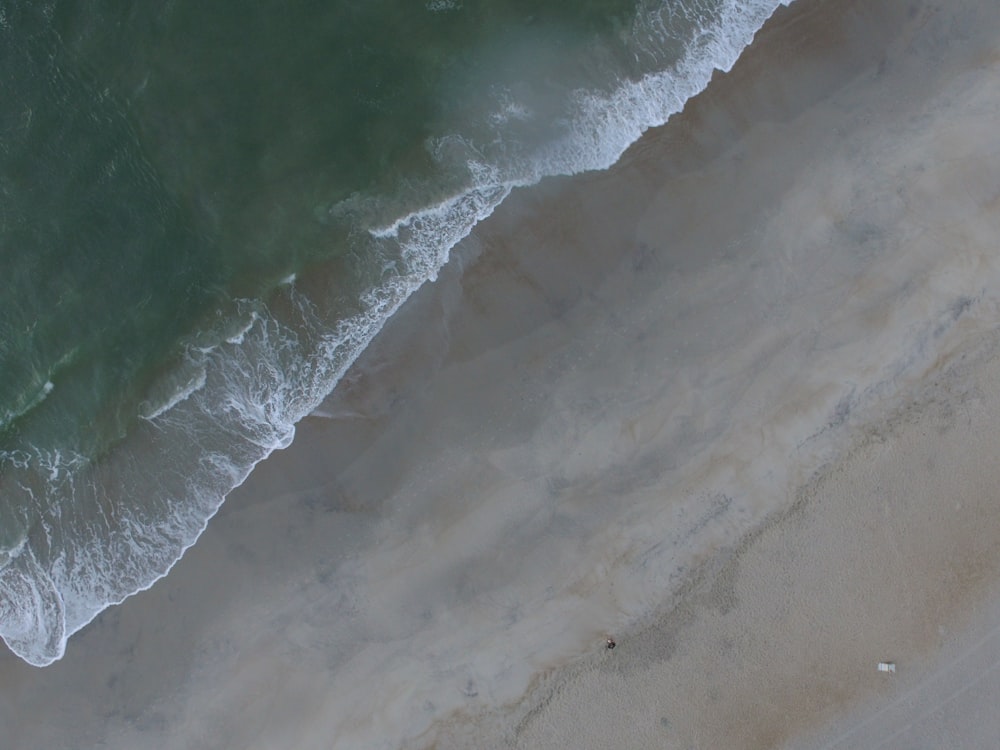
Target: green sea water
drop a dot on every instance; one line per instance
(160, 156)
(208, 209)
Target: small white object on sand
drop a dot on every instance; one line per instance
(887, 666)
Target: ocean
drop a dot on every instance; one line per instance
(208, 210)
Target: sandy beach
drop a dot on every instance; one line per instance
(732, 402)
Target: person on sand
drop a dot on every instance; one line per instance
(611, 643)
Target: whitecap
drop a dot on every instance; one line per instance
(150, 410)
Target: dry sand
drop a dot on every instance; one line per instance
(730, 401)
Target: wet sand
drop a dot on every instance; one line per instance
(730, 401)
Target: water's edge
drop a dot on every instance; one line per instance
(270, 367)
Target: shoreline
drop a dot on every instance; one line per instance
(616, 380)
(223, 369)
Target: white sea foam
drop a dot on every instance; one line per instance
(13, 551)
(441, 6)
(196, 381)
(602, 127)
(237, 337)
(251, 387)
(40, 395)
